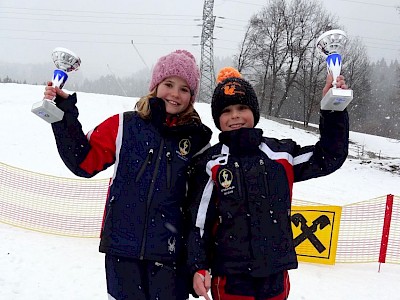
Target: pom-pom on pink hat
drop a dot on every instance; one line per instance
(179, 63)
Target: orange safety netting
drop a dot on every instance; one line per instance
(56, 205)
(74, 207)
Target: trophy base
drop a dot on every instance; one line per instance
(336, 99)
(48, 111)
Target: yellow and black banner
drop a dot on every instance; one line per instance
(316, 232)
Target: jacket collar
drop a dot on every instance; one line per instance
(159, 120)
(242, 141)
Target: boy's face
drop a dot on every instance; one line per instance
(236, 116)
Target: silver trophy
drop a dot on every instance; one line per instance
(331, 44)
(65, 61)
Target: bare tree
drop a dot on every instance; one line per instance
(356, 69)
(280, 36)
(267, 53)
(309, 84)
(305, 22)
(244, 58)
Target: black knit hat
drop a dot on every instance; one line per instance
(230, 91)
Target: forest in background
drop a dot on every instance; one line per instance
(278, 56)
(376, 112)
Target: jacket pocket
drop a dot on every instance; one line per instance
(146, 163)
(107, 212)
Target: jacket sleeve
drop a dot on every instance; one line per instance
(84, 155)
(329, 153)
(203, 216)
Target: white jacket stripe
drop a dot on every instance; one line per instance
(207, 192)
(276, 155)
(205, 200)
(302, 158)
(284, 155)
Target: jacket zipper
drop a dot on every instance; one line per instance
(238, 175)
(145, 164)
(169, 159)
(265, 177)
(237, 171)
(149, 197)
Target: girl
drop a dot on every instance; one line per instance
(142, 233)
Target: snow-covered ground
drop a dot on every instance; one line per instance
(39, 266)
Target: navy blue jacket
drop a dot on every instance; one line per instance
(145, 207)
(241, 192)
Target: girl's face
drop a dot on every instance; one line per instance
(236, 116)
(176, 94)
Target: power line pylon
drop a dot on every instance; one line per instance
(207, 79)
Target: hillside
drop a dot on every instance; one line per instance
(371, 170)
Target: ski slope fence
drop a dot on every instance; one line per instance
(369, 230)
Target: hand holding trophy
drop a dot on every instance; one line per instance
(65, 61)
(331, 44)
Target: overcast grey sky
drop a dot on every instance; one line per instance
(100, 31)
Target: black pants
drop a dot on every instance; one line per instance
(244, 287)
(132, 279)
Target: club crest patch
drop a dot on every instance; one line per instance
(225, 179)
(184, 147)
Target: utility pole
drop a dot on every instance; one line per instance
(137, 51)
(207, 79)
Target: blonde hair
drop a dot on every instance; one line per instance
(189, 115)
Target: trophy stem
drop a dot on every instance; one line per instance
(59, 78)
(334, 65)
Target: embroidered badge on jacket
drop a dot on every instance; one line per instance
(225, 179)
(184, 149)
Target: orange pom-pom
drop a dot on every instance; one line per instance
(228, 72)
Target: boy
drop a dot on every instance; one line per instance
(241, 190)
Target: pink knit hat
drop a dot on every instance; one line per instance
(179, 63)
